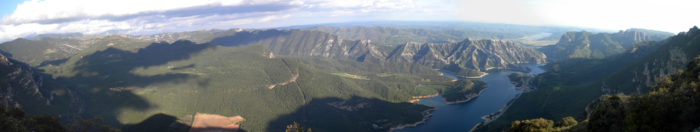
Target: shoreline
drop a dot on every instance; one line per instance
(415, 99)
(475, 77)
(426, 115)
(458, 76)
(493, 116)
(469, 97)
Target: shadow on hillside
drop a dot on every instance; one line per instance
(163, 123)
(246, 38)
(6, 54)
(53, 62)
(159, 122)
(356, 114)
(105, 85)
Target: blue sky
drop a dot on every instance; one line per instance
(23, 18)
(8, 6)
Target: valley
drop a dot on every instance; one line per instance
(349, 77)
(464, 116)
(130, 82)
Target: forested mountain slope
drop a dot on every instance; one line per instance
(478, 55)
(126, 81)
(572, 84)
(475, 55)
(588, 45)
(671, 105)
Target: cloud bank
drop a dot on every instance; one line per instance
(155, 16)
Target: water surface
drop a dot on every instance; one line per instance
(462, 117)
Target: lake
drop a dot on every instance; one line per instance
(462, 117)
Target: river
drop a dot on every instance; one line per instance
(462, 117)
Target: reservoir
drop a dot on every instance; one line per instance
(462, 117)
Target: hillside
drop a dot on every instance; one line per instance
(304, 43)
(477, 55)
(385, 35)
(587, 45)
(401, 32)
(126, 83)
(21, 85)
(573, 84)
(55, 50)
(466, 55)
(202, 36)
(261, 75)
(669, 106)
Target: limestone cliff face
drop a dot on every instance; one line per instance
(4, 60)
(304, 43)
(480, 55)
(311, 43)
(588, 45)
(673, 55)
(628, 38)
(18, 84)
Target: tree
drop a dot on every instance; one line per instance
(532, 125)
(295, 127)
(13, 119)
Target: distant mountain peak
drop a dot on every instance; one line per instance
(584, 44)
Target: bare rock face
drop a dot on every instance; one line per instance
(18, 84)
(600, 45)
(312, 43)
(471, 54)
(665, 58)
(3, 60)
(480, 55)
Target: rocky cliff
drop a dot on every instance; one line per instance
(476, 55)
(19, 85)
(588, 45)
(480, 55)
(672, 55)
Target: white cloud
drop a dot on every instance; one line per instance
(502, 11)
(666, 15)
(154, 16)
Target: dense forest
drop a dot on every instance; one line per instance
(671, 105)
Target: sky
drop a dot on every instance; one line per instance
(22, 18)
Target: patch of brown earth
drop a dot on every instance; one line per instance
(417, 98)
(215, 123)
(293, 79)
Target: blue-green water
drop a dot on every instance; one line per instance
(462, 117)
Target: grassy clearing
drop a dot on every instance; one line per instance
(348, 75)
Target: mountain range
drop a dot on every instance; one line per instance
(588, 45)
(573, 84)
(280, 76)
(327, 78)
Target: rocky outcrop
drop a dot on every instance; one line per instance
(426, 115)
(304, 43)
(480, 55)
(589, 45)
(19, 85)
(4, 60)
(672, 56)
